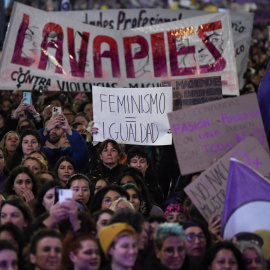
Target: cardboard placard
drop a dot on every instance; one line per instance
(207, 192)
(207, 131)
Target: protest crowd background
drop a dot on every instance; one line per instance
(127, 205)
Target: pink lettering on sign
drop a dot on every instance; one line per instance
(257, 162)
(77, 68)
(159, 55)
(226, 119)
(219, 147)
(182, 49)
(213, 43)
(52, 38)
(136, 55)
(138, 52)
(17, 57)
(112, 54)
(259, 134)
(195, 125)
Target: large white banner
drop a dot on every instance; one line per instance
(133, 116)
(122, 19)
(44, 51)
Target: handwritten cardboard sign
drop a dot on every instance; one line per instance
(207, 131)
(44, 51)
(207, 192)
(133, 116)
(188, 92)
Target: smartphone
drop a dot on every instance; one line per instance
(56, 110)
(61, 194)
(27, 96)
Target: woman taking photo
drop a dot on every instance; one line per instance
(45, 198)
(81, 188)
(80, 252)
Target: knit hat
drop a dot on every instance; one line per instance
(108, 233)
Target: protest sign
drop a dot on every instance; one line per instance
(247, 203)
(133, 116)
(207, 192)
(188, 92)
(207, 131)
(44, 51)
(122, 19)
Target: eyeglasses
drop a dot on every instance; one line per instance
(170, 251)
(192, 237)
(109, 201)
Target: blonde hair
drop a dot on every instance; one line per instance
(114, 205)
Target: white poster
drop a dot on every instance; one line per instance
(132, 116)
(44, 51)
(122, 19)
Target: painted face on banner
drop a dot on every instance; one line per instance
(139, 64)
(30, 46)
(204, 56)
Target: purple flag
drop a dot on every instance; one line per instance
(247, 201)
(264, 101)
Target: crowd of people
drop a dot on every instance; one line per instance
(127, 208)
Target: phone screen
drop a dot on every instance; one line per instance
(27, 97)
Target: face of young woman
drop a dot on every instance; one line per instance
(48, 199)
(195, 242)
(172, 253)
(252, 259)
(81, 191)
(109, 198)
(21, 182)
(12, 214)
(134, 198)
(87, 257)
(65, 170)
(224, 259)
(48, 254)
(12, 141)
(6, 235)
(8, 260)
(100, 184)
(103, 221)
(176, 217)
(33, 165)
(29, 144)
(124, 252)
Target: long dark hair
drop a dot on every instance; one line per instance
(9, 184)
(39, 208)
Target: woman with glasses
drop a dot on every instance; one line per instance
(197, 240)
(170, 252)
(106, 196)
